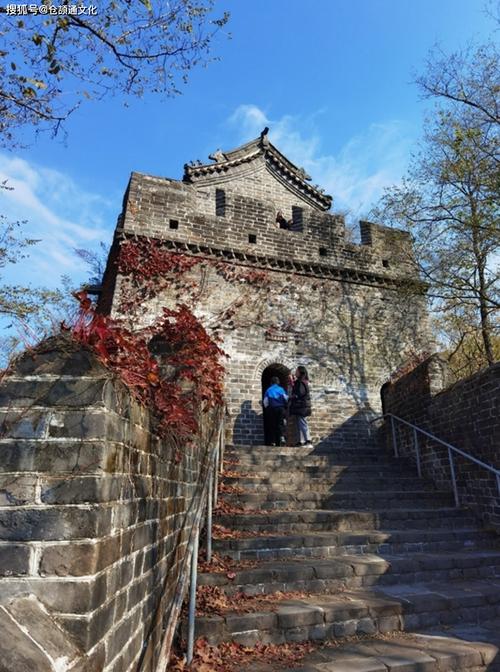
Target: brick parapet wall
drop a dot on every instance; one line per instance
(465, 414)
(153, 203)
(95, 508)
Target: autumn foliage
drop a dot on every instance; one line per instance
(232, 657)
(185, 378)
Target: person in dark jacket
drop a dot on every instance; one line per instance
(300, 405)
(275, 402)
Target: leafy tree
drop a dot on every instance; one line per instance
(96, 261)
(467, 78)
(465, 351)
(49, 64)
(17, 301)
(449, 200)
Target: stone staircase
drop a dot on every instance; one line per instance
(388, 572)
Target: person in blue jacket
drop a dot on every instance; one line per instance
(275, 402)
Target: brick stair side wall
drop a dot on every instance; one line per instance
(95, 508)
(466, 414)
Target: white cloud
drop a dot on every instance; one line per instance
(356, 175)
(59, 214)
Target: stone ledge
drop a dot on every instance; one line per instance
(33, 640)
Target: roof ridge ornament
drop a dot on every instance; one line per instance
(218, 156)
(293, 177)
(264, 140)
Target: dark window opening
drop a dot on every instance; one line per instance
(282, 222)
(173, 224)
(220, 202)
(297, 218)
(385, 263)
(252, 238)
(323, 252)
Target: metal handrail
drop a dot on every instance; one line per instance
(208, 498)
(450, 447)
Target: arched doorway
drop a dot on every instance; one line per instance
(383, 392)
(283, 373)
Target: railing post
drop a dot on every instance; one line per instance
(209, 517)
(221, 447)
(192, 599)
(216, 475)
(417, 452)
(394, 441)
(453, 478)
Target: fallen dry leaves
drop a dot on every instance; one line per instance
(225, 508)
(230, 462)
(221, 532)
(220, 564)
(212, 600)
(231, 657)
(230, 489)
(228, 473)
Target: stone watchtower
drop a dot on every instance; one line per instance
(281, 284)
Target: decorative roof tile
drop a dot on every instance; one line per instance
(293, 177)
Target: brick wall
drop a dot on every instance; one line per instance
(347, 315)
(153, 203)
(466, 414)
(95, 508)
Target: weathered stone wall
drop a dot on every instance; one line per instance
(95, 508)
(345, 314)
(154, 205)
(332, 328)
(466, 414)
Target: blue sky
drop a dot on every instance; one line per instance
(332, 79)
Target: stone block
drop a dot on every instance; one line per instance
(256, 620)
(59, 356)
(366, 626)
(118, 639)
(83, 489)
(347, 663)
(60, 457)
(33, 640)
(14, 559)
(17, 650)
(76, 392)
(299, 615)
(16, 490)
(55, 523)
(388, 624)
(30, 424)
(79, 559)
(81, 596)
(42, 628)
(345, 628)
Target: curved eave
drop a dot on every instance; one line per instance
(277, 165)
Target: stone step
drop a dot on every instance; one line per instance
(318, 519)
(351, 572)
(317, 449)
(327, 544)
(312, 459)
(367, 612)
(455, 649)
(307, 456)
(342, 500)
(390, 470)
(324, 485)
